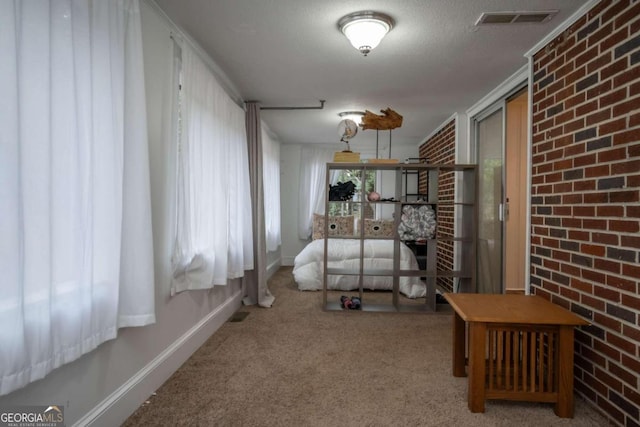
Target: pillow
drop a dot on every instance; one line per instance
(338, 226)
(378, 228)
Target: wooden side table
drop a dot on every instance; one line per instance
(520, 348)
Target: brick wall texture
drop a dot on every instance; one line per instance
(440, 149)
(585, 218)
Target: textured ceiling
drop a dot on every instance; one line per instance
(433, 63)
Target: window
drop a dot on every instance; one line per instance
(271, 181)
(355, 176)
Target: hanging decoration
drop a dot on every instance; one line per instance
(388, 120)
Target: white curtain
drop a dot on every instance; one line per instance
(76, 250)
(313, 172)
(271, 177)
(213, 234)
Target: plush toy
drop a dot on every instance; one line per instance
(342, 191)
(373, 196)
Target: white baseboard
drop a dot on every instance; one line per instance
(288, 260)
(115, 409)
(273, 267)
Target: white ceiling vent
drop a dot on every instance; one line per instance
(524, 17)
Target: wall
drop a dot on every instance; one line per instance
(106, 385)
(440, 148)
(585, 197)
(290, 177)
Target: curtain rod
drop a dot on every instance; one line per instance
(320, 107)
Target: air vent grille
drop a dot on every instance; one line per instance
(524, 17)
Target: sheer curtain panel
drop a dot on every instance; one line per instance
(76, 250)
(313, 172)
(271, 174)
(213, 240)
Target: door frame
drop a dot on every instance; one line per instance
(493, 100)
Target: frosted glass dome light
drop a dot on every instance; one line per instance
(365, 30)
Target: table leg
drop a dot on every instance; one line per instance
(477, 370)
(459, 344)
(564, 405)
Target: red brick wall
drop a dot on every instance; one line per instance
(440, 149)
(585, 241)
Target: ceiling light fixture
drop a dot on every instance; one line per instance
(365, 29)
(356, 116)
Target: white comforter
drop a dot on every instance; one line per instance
(345, 253)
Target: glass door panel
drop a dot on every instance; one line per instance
(489, 133)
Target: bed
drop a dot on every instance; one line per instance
(345, 253)
(417, 223)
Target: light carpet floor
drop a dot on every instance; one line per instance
(296, 365)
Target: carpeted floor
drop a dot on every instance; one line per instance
(295, 365)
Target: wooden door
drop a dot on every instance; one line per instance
(515, 192)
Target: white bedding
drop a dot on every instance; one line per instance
(345, 253)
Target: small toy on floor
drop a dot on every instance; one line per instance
(346, 302)
(352, 303)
